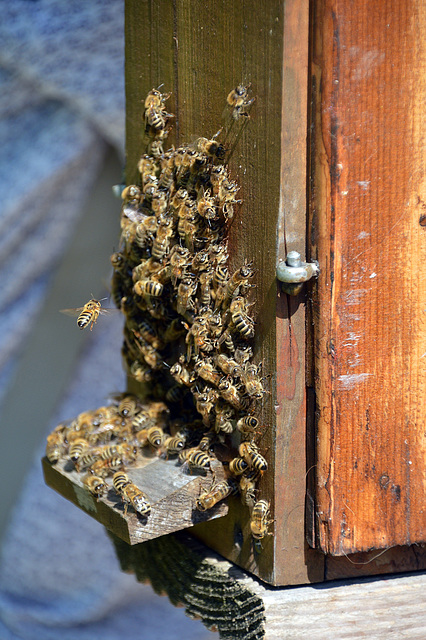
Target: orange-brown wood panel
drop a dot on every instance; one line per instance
(367, 228)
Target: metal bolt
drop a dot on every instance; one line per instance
(293, 272)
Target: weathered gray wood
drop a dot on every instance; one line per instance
(226, 598)
(172, 495)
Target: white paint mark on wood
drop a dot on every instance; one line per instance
(350, 380)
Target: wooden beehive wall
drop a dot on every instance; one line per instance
(368, 217)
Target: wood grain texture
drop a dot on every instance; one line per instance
(200, 51)
(171, 493)
(240, 607)
(368, 199)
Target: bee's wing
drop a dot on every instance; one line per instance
(71, 312)
(109, 311)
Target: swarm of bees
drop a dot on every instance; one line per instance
(188, 328)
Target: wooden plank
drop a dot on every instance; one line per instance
(239, 607)
(202, 60)
(172, 495)
(370, 336)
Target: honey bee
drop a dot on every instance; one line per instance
(126, 451)
(156, 145)
(151, 355)
(205, 369)
(140, 372)
(88, 314)
(182, 375)
(212, 147)
(148, 288)
(231, 394)
(186, 290)
(119, 481)
(179, 261)
(95, 485)
(204, 280)
(77, 448)
(237, 466)
(165, 181)
(247, 485)
(155, 436)
(259, 523)
(159, 204)
(243, 324)
(148, 332)
(239, 101)
(252, 382)
(206, 441)
(155, 113)
(145, 231)
(55, 446)
(224, 413)
(162, 240)
(240, 277)
(205, 402)
(195, 459)
(198, 337)
(206, 207)
(103, 468)
(250, 453)
(131, 494)
(218, 492)
(247, 426)
(131, 194)
(228, 365)
(128, 405)
(174, 444)
(146, 167)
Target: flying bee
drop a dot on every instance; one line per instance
(217, 492)
(103, 468)
(228, 365)
(145, 288)
(78, 447)
(239, 100)
(224, 413)
(259, 523)
(95, 485)
(231, 394)
(252, 382)
(155, 436)
(131, 194)
(88, 314)
(247, 426)
(250, 453)
(205, 369)
(55, 446)
(237, 466)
